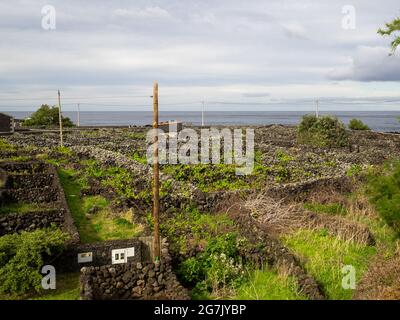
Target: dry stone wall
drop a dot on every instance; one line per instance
(139, 280)
(35, 182)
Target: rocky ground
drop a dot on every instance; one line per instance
(294, 188)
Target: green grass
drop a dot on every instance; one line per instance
(99, 225)
(267, 284)
(328, 208)
(139, 158)
(16, 159)
(137, 135)
(324, 256)
(67, 288)
(22, 208)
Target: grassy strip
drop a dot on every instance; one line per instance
(67, 288)
(324, 256)
(94, 225)
(267, 284)
(22, 208)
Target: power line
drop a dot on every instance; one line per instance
(72, 98)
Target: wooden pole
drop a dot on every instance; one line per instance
(156, 182)
(60, 120)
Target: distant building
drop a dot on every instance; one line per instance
(6, 124)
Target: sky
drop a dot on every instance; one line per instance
(233, 54)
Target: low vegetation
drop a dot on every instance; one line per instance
(93, 215)
(384, 193)
(22, 255)
(356, 124)
(324, 131)
(218, 268)
(324, 257)
(267, 284)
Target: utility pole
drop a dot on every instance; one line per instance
(156, 182)
(202, 114)
(79, 115)
(60, 119)
(316, 108)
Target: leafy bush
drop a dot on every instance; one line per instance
(326, 131)
(5, 146)
(22, 255)
(356, 124)
(47, 116)
(217, 267)
(384, 193)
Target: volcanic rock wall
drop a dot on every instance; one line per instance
(147, 281)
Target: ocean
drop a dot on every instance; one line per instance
(385, 121)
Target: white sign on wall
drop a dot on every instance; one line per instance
(122, 255)
(85, 257)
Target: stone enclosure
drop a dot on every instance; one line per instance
(35, 186)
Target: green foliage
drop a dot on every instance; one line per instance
(354, 170)
(326, 131)
(47, 116)
(139, 158)
(21, 257)
(217, 267)
(5, 146)
(282, 170)
(194, 227)
(384, 193)
(356, 124)
(208, 177)
(391, 29)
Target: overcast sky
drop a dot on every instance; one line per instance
(222, 51)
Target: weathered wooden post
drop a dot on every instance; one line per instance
(60, 120)
(156, 182)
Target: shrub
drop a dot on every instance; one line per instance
(47, 116)
(217, 267)
(384, 193)
(356, 124)
(326, 131)
(22, 255)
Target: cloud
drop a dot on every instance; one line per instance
(223, 49)
(294, 30)
(148, 12)
(369, 64)
(256, 94)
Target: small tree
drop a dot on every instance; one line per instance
(47, 116)
(326, 131)
(391, 29)
(356, 124)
